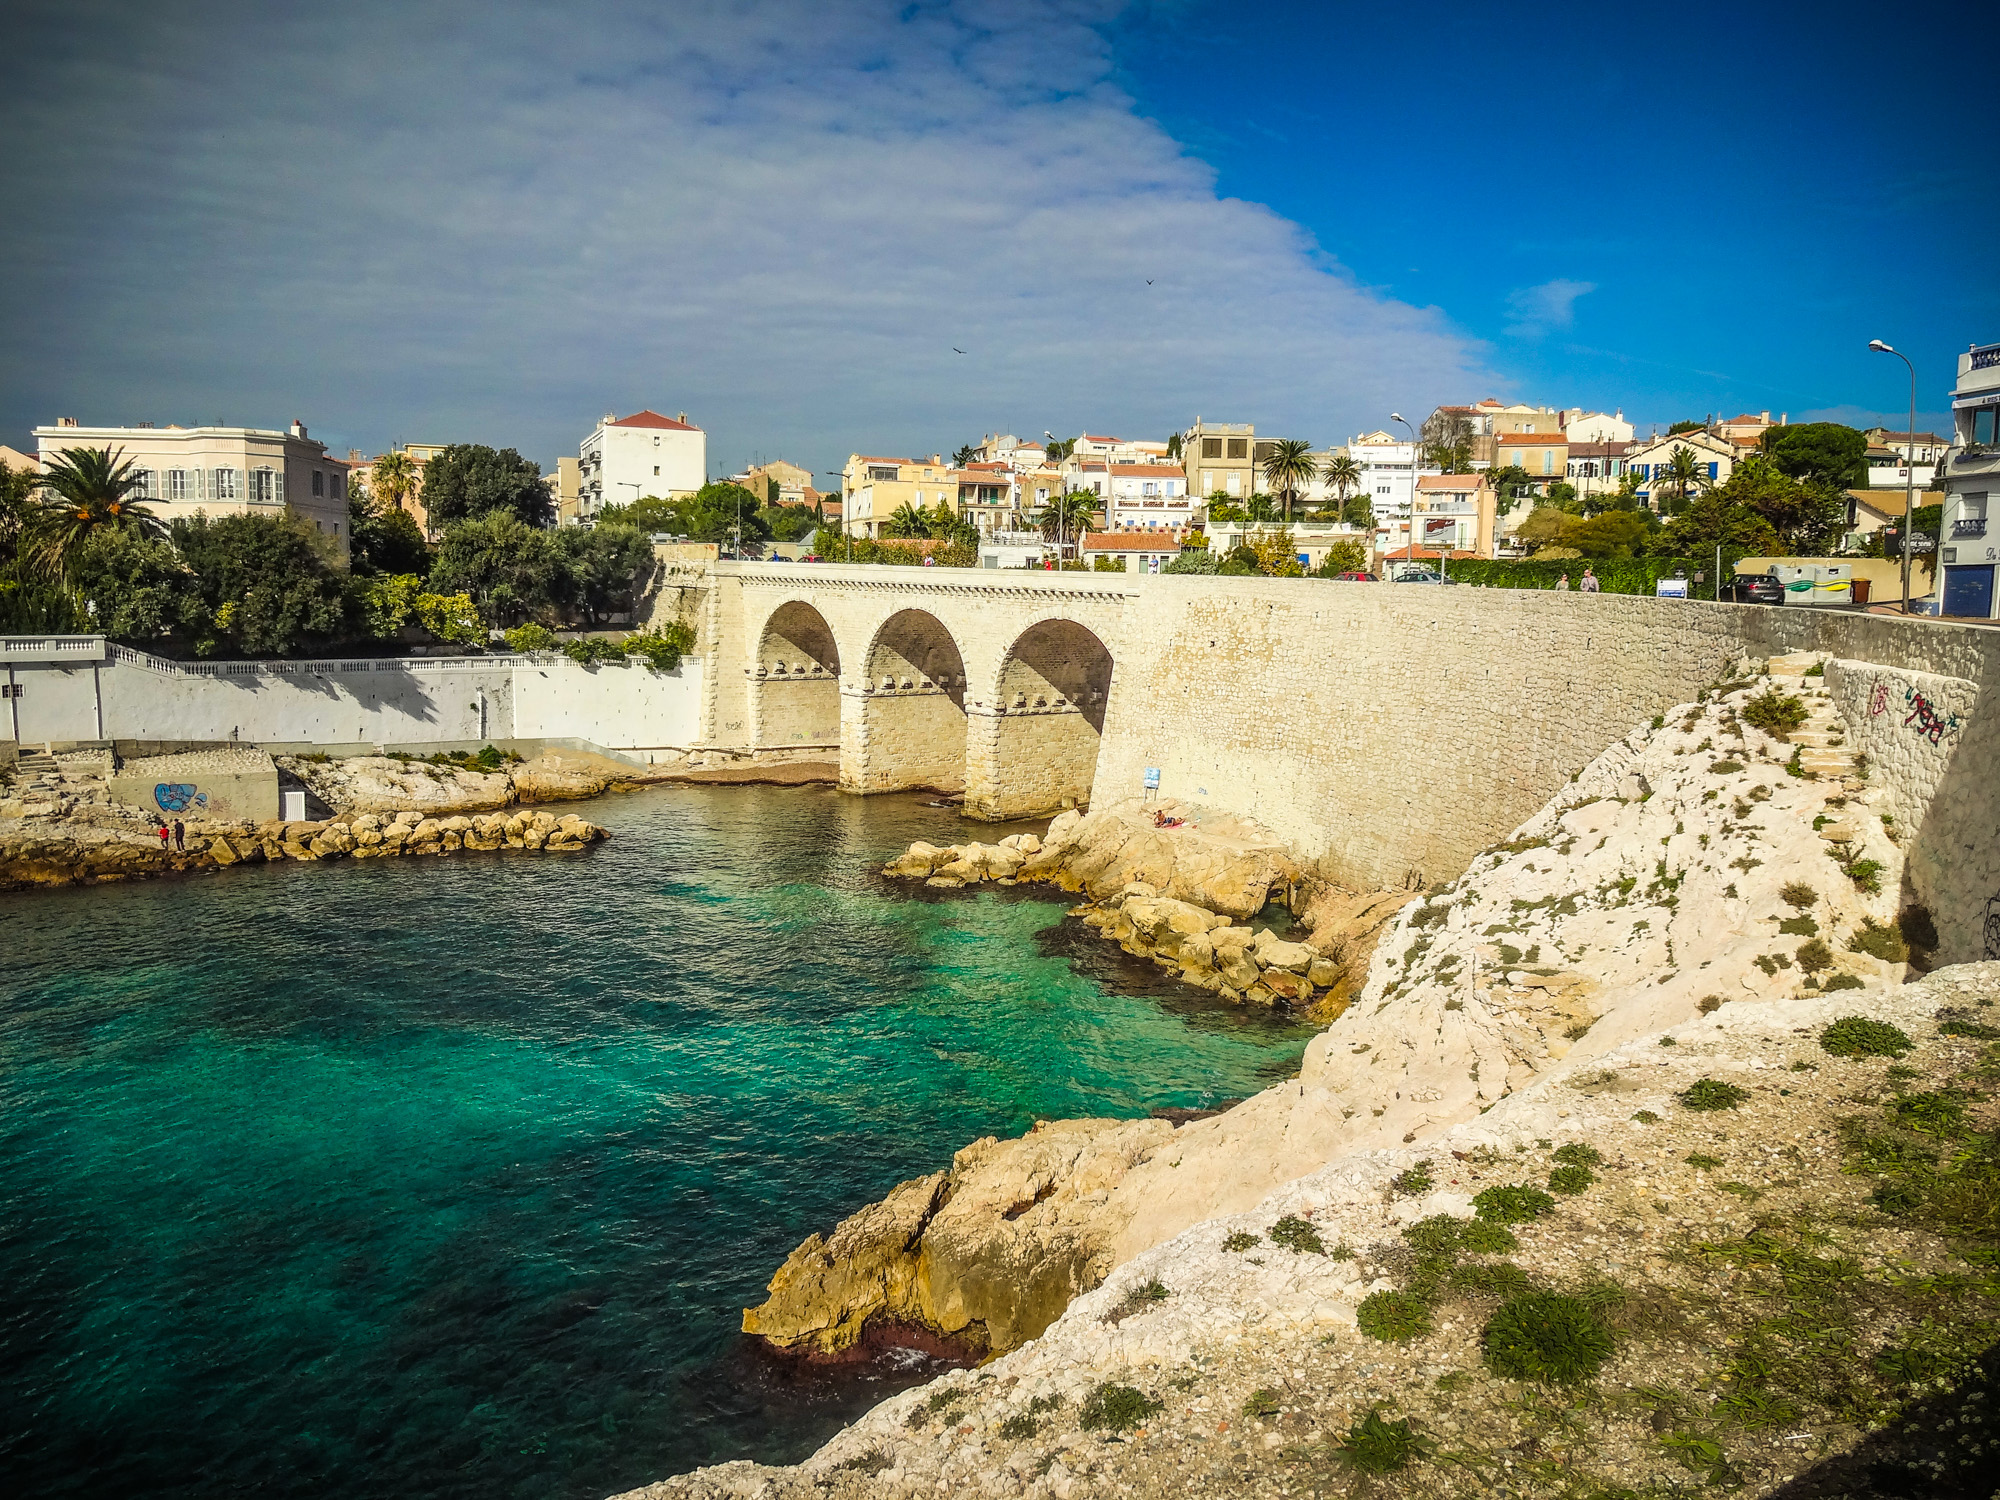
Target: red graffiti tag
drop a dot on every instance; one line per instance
(1880, 699)
(1929, 725)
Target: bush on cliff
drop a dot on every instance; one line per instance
(1546, 1336)
(1117, 1408)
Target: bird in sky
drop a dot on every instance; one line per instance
(1149, 281)
(957, 350)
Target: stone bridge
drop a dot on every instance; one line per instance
(993, 684)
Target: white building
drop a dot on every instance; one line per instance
(1581, 426)
(1716, 457)
(1117, 450)
(628, 458)
(219, 471)
(1389, 480)
(1148, 497)
(1971, 549)
(1311, 540)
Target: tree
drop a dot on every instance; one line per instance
(85, 491)
(1060, 449)
(269, 583)
(138, 589)
(787, 523)
(1358, 511)
(383, 539)
(1563, 495)
(1717, 518)
(1066, 517)
(1684, 473)
(1510, 484)
(1174, 448)
(469, 480)
(649, 514)
(1448, 442)
(609, 567)
(1824, 453)
(1344, 556)
(393, 479)
(1679, 427)
(1807, 515)
(907, 520)
(513, 572)
(1344, 474)
(965, 454)
(1288, 467)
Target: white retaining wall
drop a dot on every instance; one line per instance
(400, 701)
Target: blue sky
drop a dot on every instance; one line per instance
(494, 222)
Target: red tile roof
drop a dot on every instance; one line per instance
(1450, 481)
(654, 419)
(1535, 439)
(1130, 541)
(1174, 470)
(870, 458)
(1098, 437)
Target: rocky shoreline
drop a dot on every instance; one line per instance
(1647, 984)
(60, 826)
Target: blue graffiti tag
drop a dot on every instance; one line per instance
(178, 797)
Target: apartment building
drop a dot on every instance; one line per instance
(873, 488)
(219, 471)
(1483, 424)
(1116, 450)
(1581, 426)
(1005, 448)
(1717, 455)
(1388, 478)
(627, 458)
(1137, 551)
(989, 496)
(1544, 456)
(1597, 468)
(1971, 545)
(1148, 497)
(1457, 513)
(1220, 458)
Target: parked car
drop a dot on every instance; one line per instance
(1756, 588)
(1357, 577)
(1420, 575)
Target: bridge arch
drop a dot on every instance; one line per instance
(1033, 749)
(903, 715)
(795, 680)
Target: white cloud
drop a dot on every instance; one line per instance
(1535, 310)
(495, 223)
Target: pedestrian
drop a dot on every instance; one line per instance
(180, 837)
(1589, 583)
(1562, 584)
(164, 835)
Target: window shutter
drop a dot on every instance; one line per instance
(278, 485)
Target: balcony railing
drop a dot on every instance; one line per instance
(1968, 527)
(1986, 358)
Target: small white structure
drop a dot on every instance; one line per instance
(1389, 480)
(1148, 496)
(1137, 551)
(1013, 549)
(1581, 426)
(628, 458)
(219, 471)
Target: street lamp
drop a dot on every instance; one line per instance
(1399, 417)
(1910, 477)
(845, 520)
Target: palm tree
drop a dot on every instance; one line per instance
(907, 520)
(1067, 516)
(88, 490)
(393, 480)
(1681, 473)
(1344, 474)
(1287, 466)
(965, 455)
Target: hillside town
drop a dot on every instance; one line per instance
(460, 542)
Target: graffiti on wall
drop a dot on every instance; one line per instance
(1929, 723)
(179, 796)
(1992, 948)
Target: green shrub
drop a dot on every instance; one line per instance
(1515, 1204)
(1726, 767)
(1775, 713)
(1866, 875)
(1374, 1446)
(1239, 1242)
(1443, 1235)
(531, 637)
(1950, 1024)
(1414, 1181)
(1297, 1236)
(1393, 1316)
(1117, 1408)
(1929, 1113)
(1262, 1402)
(1576, 1155)
(1858, 1036)
(1646, 1117)
(1710, 1093)
(1798, 893)
(1616, 575)
(1814, 956)
(1020, 1425)
(1500, 1278)
(662, 649)
(592, 651)
(1879, 941)
(1570, 1180)
(1801, 926)
(1705, 1163)
(1546, 1336)
(1844, 982)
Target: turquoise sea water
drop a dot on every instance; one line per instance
(450, 1177)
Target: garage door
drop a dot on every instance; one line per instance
(1969, 591)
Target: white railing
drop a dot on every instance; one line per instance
(327, 668)
(51, 648)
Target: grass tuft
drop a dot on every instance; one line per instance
(1858, 1036)
(1710, 1093)
(1375, 1446)
(1547, 1336)
(1513, 1204)
(1297, 1236)
(1117, 1408)
(1393, 1317)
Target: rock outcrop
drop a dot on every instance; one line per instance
(1688, 867)
(58, 826)
(988, 1253)
(386, 783)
